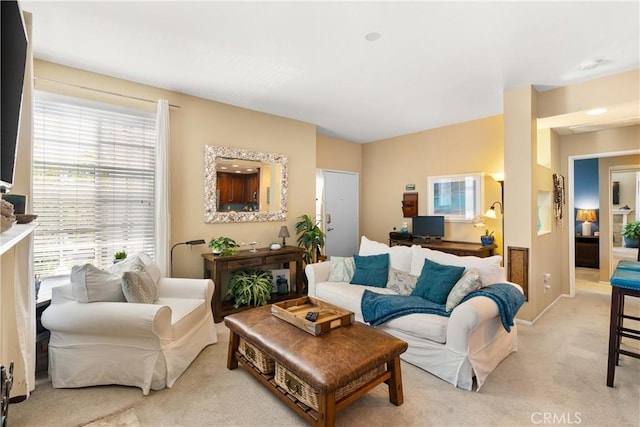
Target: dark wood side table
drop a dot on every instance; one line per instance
(588, 251)
(218, 268)
(455, 248)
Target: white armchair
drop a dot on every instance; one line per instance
(142, 345)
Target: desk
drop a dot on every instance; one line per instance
(218, 269)
(455, 248)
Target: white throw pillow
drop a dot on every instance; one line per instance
(151, 266)
(399, 256)
(469, 282)
(489, 268)
(341, 269)
(91, 284)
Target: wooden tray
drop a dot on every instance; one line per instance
(329, 317)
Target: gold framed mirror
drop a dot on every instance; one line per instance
(244, 186)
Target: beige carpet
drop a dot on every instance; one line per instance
(558, 375)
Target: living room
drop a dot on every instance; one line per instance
(498, 142)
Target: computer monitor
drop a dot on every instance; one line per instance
(428, 227)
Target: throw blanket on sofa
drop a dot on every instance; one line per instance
(508, 298)
(378, 308)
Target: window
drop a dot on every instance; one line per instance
(93, 183)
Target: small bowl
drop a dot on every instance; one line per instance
(25, 218)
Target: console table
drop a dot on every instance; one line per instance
(455, 248)
(588, 251)
(219, 268)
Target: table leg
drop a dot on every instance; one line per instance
(327, 409)
(234, 342)
(395, 382)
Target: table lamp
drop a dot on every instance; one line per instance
(284, 232)
(588, 216)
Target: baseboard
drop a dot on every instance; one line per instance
(531, 322)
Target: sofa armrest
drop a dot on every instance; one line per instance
(316, 273)
(173, 287)
(467, 317)
(108, 319)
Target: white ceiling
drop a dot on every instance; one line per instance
(436, 63)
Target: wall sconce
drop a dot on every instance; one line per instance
(284, 232)
(491, 212)
(588, 216)
(190, 243)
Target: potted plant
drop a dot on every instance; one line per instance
(487, 239)
(631, 234)
(310, 237)
(119, 256)
(250, 287)
(223, 246)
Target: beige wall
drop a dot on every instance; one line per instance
(196, 123)
(388, 165)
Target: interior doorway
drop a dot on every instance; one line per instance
(338, 193)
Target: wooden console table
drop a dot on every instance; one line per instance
(455, 248)
(218, 268)
(588, 251)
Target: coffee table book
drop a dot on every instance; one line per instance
(295, 310)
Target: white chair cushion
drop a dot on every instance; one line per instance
(91, 284)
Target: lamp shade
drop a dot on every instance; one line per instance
(588, 215)
(491, 213)
(284, 231)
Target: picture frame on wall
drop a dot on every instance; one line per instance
(456, 197)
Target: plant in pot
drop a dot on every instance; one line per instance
(631, 234)
(119, 256)
(250, 287)
(310, 237)
(223, 246)
(487, 238)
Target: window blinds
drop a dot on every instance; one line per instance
(93, 183)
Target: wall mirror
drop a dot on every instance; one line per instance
(244, 186)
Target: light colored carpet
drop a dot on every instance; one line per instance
(558, 377)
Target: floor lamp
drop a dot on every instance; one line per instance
(190, 243)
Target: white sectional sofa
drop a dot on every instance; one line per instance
(471, 342)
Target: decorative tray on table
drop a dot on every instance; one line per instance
(329, 316)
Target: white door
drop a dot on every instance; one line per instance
(340, 218)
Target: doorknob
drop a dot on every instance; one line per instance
(328, 218)
(330, 229)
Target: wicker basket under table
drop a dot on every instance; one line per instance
(307, 377)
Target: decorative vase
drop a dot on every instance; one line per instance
(275, 246)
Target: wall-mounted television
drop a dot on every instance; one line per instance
(12, 63)
(428, 227)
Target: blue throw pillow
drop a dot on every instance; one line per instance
(372, 270)
(436, 281)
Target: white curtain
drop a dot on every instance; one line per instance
(163, 183)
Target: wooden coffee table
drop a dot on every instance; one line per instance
(356, 358)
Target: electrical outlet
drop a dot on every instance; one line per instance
(547, 278)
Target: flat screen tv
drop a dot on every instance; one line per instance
(13, 59)
(428, 227)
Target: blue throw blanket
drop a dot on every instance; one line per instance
(378, 308)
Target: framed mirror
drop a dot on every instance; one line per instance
(244, 186)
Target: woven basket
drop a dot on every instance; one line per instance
(308, 395)
(256, 357)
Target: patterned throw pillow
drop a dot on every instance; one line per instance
(469, 282)
(401, 282)
(137, 284)
(341, 269)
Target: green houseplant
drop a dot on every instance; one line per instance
(310, 237)
(223, 246)
(250, 287)
(119, 256)
(631, 234)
